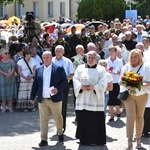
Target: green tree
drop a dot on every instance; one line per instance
(101, 9)
(5, 2)
(142, 6)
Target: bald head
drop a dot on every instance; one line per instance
(47, 58)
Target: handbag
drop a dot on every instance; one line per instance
(123, 95)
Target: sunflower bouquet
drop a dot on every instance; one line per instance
(132, 79)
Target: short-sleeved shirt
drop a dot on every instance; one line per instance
(117, 64)
(65, 63)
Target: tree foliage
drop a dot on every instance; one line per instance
(101, 9)
(142, 6)
(6, 2)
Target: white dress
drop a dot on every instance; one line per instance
(25, 86)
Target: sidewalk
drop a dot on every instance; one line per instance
(20, 131)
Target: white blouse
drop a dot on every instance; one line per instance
(117, 64)
(24, 67)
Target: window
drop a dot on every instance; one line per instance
(50, 9)
(62, 9)
(20, 10)
(36, 9)
(1, 10)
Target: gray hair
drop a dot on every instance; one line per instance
(140, 26)
(93, 53)
(102, 61)
(80, 46)
(118, 49)
(91, 44)
(47, 52)
(128, 32)
(59, 47)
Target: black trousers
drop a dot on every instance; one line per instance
(64, 106)
(146, 127)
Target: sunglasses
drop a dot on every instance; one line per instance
(7, 53)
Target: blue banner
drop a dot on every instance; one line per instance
(132, 15)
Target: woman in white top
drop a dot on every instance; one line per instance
(114, 65)
(135, 104)
(26, 79)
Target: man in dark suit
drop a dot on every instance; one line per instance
(50, 81)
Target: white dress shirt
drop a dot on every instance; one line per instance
(46, 81)
(38, 60)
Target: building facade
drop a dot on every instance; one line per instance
(44, 10)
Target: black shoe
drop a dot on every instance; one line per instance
(146, 135)
(75, 119)
(118, 115)
(64, 130)
(111, 119)
(61, 138)
(43, 143)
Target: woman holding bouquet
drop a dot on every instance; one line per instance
(90, 82)
(136, 102)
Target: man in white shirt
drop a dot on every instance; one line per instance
(49, 83)
(66, 63)
(36, 57)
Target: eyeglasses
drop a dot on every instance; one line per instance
(7, 53)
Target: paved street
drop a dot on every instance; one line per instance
(20, 131)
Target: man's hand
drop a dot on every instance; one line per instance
(87, 87)
(32, 102)
(84, 87)
(54, 91)
(90, 87)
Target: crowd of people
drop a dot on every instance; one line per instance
(93, 61)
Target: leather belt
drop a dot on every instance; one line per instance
(46, 98)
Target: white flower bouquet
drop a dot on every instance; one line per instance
(86, 80)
